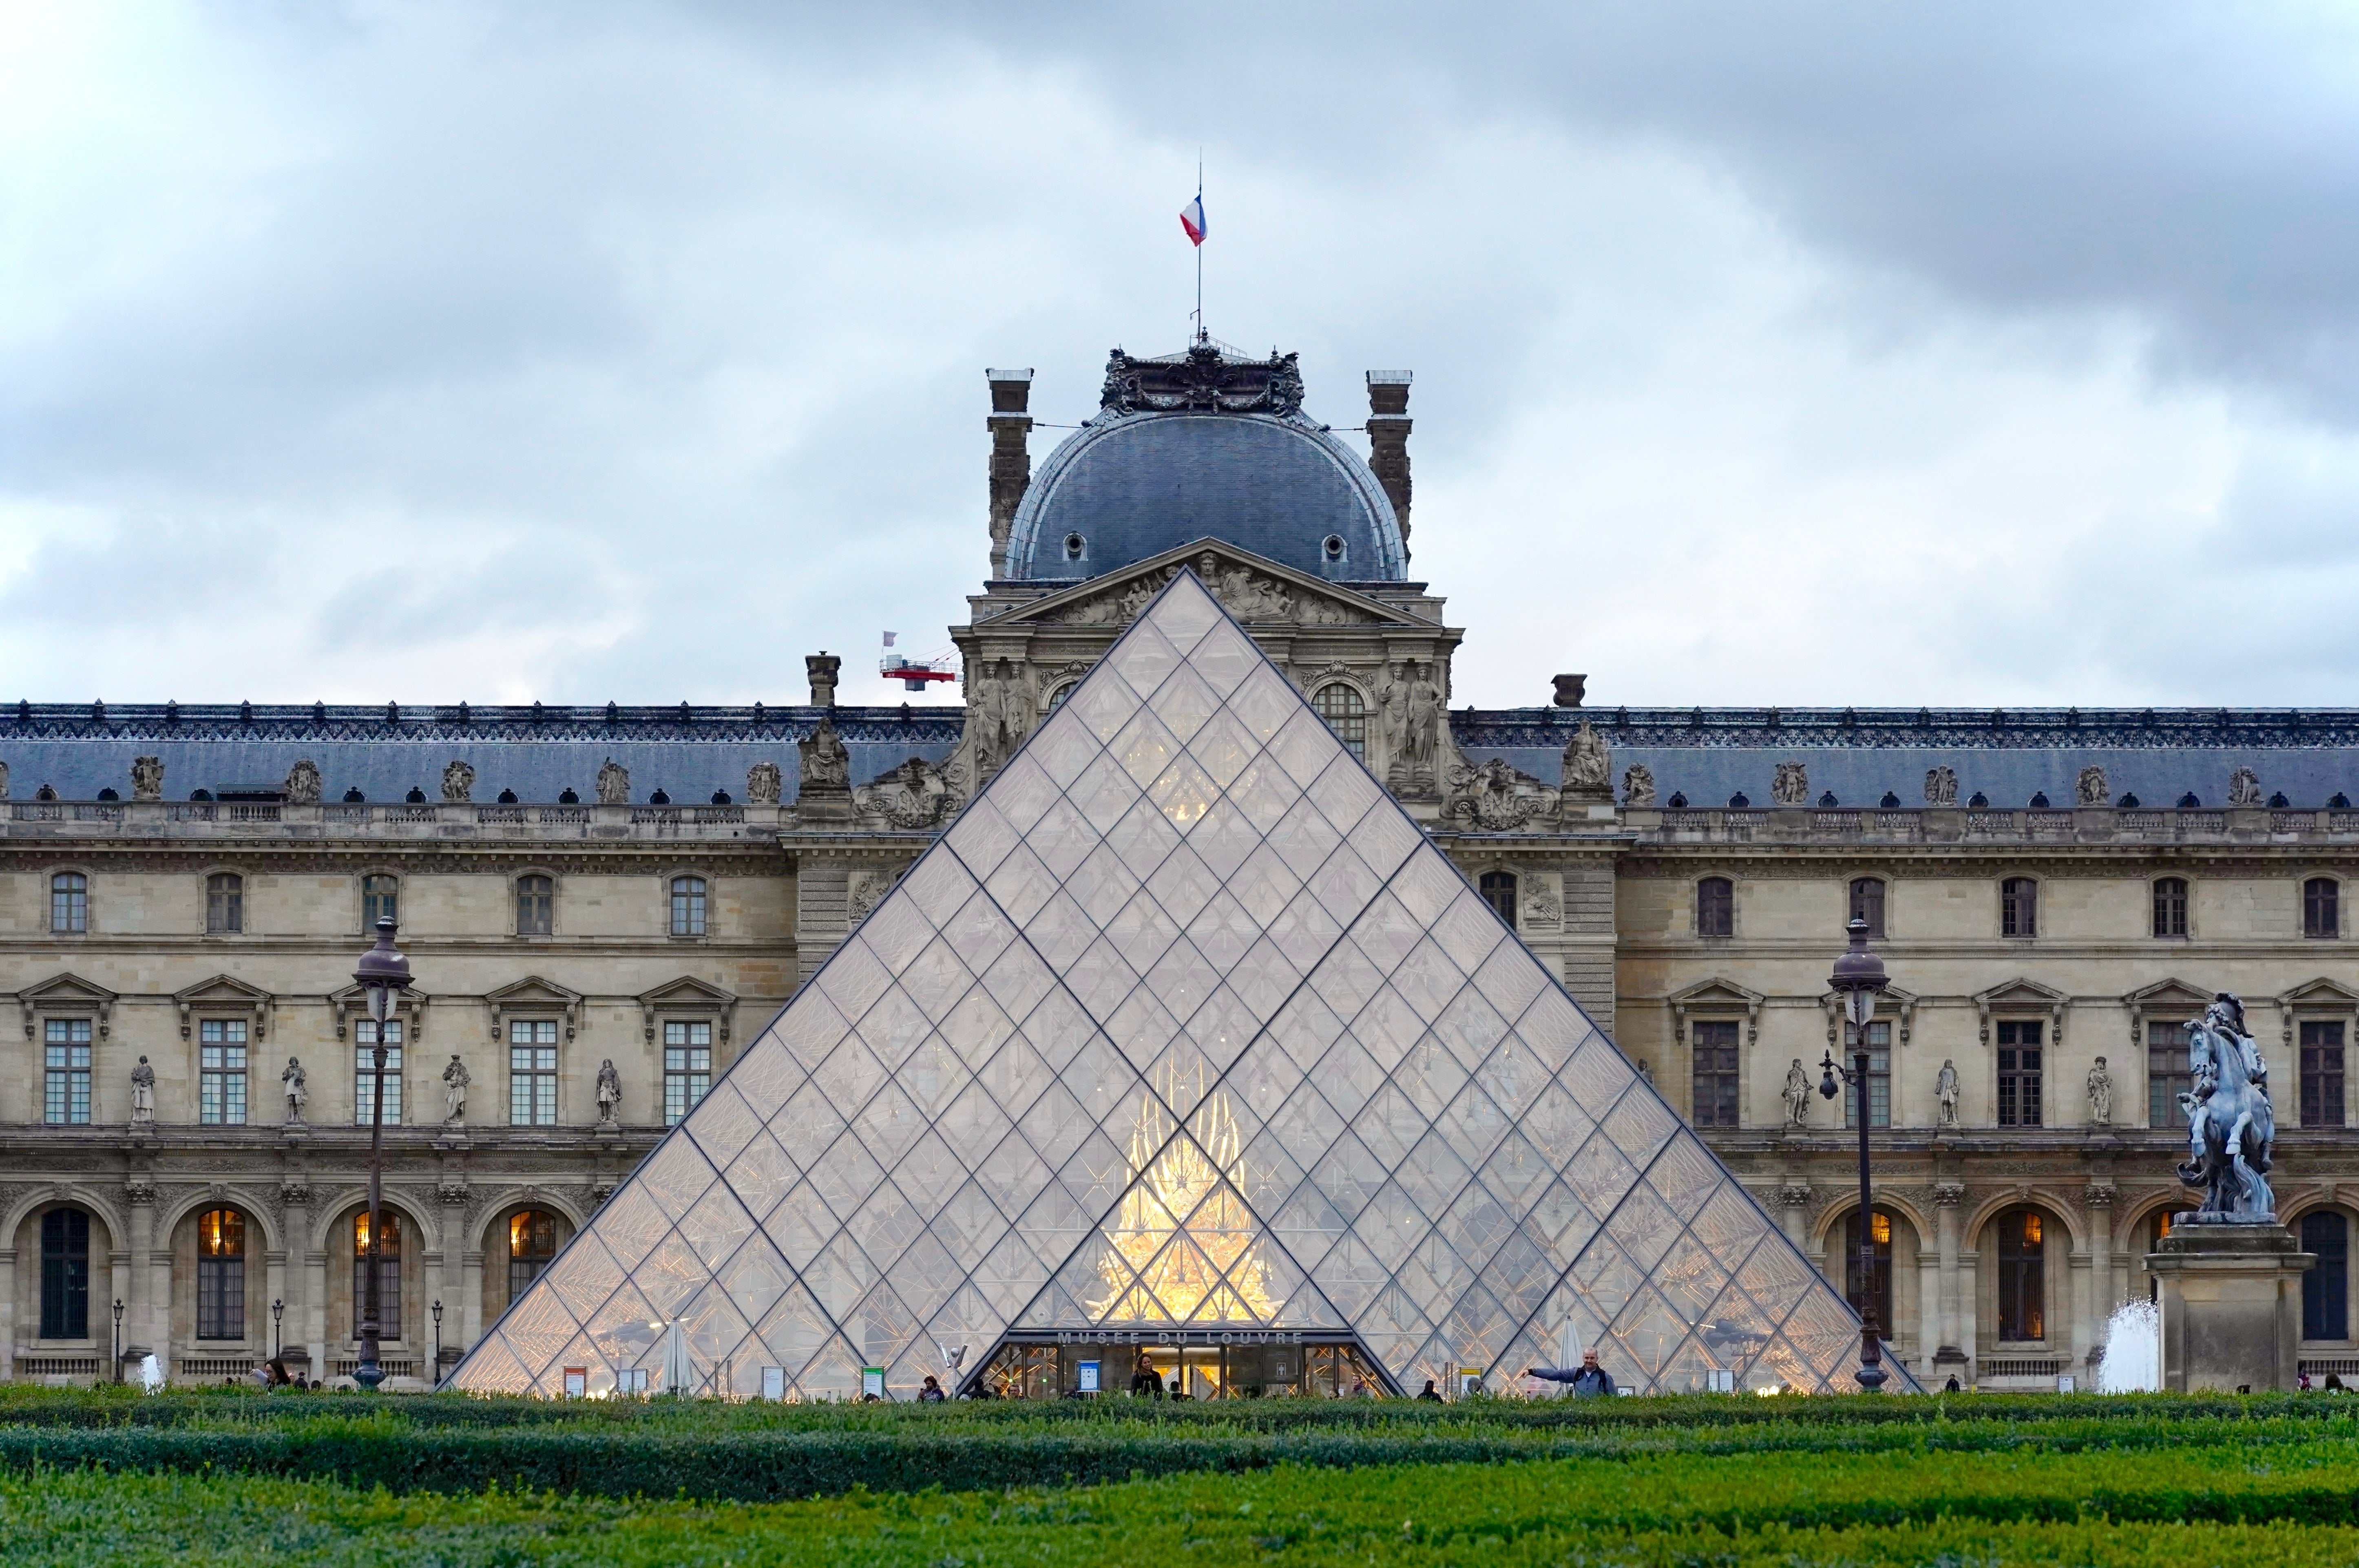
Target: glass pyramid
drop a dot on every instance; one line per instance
(1183, 1022)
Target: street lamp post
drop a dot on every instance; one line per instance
(278, 1349)
(1859, 978)
(383, 975)
(437, 1343)
(118, 1339)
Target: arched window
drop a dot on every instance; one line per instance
(532, 1242)
(221, 1274)
(389, 1273)
(65, 1274)
(2171, 906)
(1876, 1294)
(2322, 907)
(1867, 903)
(1056, 697)
(2018, 907)
(2326, 1289)
(687, 907)
(380, 900)
(1498, 890)
(1715, 907)
(70, 902)
(536, 906)
(2022, 1275)
(1341, 707)
(224, 902)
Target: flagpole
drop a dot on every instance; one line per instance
(1201, 335)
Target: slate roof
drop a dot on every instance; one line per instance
(687, 751)
(2160, 755)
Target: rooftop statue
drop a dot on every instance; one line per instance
(2231, 1129)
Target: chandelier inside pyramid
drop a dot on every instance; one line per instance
(1183, 1059)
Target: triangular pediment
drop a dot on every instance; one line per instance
(2169, 996)
(533, 991)
(2319, 993)
(63, 992)
(1716, 993)
(222, 994)
(1183, 1026)
(1253, 589)
(2020, 993)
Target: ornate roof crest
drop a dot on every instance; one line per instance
(1204, 378)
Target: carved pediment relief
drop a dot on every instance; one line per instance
(1496, 797)
(914, 795)
(1252, 589)
(224, 994)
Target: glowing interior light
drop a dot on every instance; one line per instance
(1183, 1248)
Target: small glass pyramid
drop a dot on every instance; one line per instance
(1183, 1031)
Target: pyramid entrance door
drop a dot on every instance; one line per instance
(1184, 1031)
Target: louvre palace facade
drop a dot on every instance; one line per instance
(605, 908)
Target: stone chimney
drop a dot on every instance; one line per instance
(1388, 440)
(822, 669)
(1011, 459)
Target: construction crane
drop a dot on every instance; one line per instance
(916, 674)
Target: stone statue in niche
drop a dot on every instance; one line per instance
(1423, 727)
(613, 784)
(143, 1092)
(610, 1091)
(291, 1082)
(2231, 1128)
(2091, 788)
(2100, 1095)
(999, 714)
(146, 778)
(458, 782)
(1945, 1092)
(1797, 1095)
(455, 1079)
(1392, 726)
(826, 762)
(1588, 765)
(1792, 785)
(1941, 786)
(1638, 785)
(2244, 787)
(302, 786)
(765, 782)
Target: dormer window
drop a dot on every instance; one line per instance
(1332, 548)
(1074, 545)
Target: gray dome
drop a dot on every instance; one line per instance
(1128, 486)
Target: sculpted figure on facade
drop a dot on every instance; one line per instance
(999, 715)
(3, 781)
(1588, 765)
(1945, 1092)
(302, 786)
(291, 1084)
(1638, 785)
(1941, 786)
(1421, 726)
(143, 1092)
(610, 1090)
(863, 891)
(458, 782)
(1792, 785)
(1797, 1095)
(2100, 1095)
(826, 762)
(1495, 796)
(455, 1079)
(1251, 596)
(2091, 788)
(764, 783)
(2230, 1126)
(914, 795)
(613, 784)
(146, 778)
(2244, 787)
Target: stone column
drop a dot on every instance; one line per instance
(315, 1311)
(143, 1315)
(2103, 1292)
(1953, 1310)
(470, 1297)
(1929, 1313)
(7, 1313)
(1794, 1212)
(274, 1289)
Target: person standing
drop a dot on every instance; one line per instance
(1589, 1380)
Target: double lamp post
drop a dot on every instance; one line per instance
(1859, 978)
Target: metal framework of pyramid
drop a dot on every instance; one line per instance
(1183, 1025)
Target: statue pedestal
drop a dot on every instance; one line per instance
(2231, 1306)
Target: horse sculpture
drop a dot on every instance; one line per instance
(2231, 1129)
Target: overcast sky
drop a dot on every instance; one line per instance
(1765, 354)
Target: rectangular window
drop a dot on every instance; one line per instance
(1867, 903)
(364, 1074)
(65, 1274)
(1715, 1073)
(1715, 907)
(2171, 907)
(220, 1072)
(687, 907)
(65, 1089)
(225, 904)
(380, 900)
(2167, 1076)
(2018, 1074)
(2018, 907)
(688, 1068)
(70, 902)
(2322, 907)
(2321, 1074)
(1879, 1077)
(536, 906)
(532, 1071)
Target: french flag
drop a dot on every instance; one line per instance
(1192, 218)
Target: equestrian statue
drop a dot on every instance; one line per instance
(2231, 1131)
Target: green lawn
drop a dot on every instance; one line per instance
(1963, 1484)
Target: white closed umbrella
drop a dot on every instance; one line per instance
(679, 1371)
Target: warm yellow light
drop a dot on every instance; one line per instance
(1183, 1248)
(1883, 1230)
